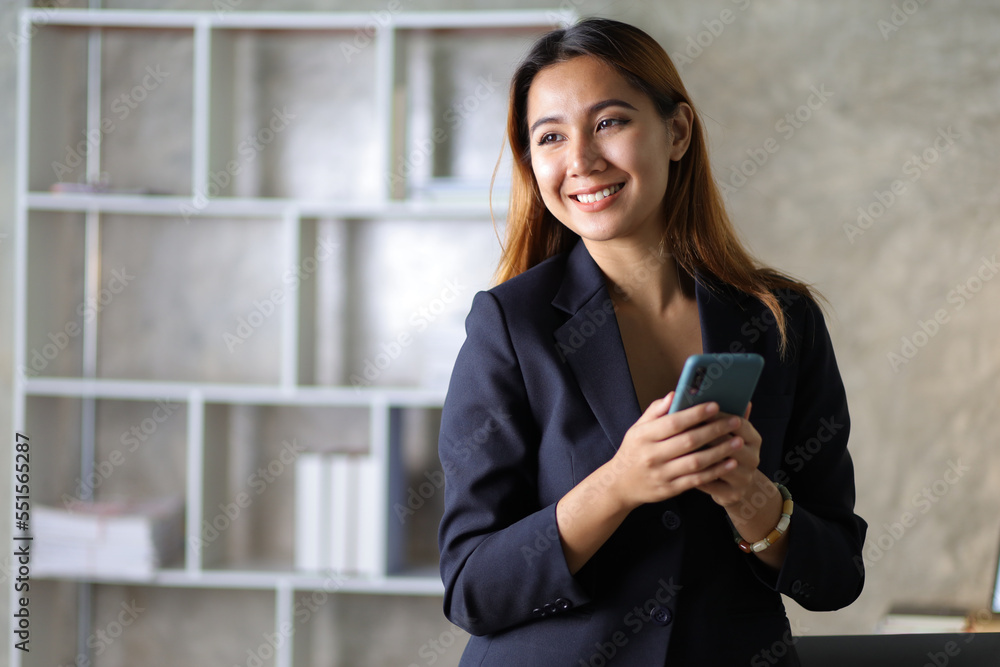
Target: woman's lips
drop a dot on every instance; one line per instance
(599, 204)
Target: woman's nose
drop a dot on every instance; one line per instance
(586, 157)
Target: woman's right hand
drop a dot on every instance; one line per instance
(656, 460)
(661, 457)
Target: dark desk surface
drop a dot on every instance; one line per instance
(919, 650)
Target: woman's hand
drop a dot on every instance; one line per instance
(751, 500)
(738, 483)
(658, 459)
(661, 455)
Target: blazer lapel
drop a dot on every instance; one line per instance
(590, 343)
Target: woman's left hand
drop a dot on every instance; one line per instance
(751, 500)
(736, 487)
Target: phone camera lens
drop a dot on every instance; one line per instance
(699, 376)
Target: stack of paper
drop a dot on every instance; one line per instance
(118, 539)
(337, 514)
(911, 619)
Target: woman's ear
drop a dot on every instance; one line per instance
(680, 128)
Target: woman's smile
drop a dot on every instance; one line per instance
(597, 199)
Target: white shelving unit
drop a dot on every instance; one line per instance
(64, 58)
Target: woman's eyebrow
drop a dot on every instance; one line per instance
(599, 106)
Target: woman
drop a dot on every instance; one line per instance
(583, 524)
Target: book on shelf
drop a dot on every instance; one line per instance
(123, 539)
(336, 503)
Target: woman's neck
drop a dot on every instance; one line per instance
(641, 276)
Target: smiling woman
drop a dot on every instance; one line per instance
(591, 525)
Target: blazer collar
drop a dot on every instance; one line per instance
(590, 341)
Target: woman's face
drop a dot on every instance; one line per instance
(600, 152)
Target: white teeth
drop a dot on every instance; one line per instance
(599, 195)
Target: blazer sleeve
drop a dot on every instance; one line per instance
(501, 559)
(823, 569)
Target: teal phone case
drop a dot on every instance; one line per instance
(727, 379)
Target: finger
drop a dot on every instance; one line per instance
(657, 408)
(716, 487)
(749, 434)
(746, 413)
(711, 475)
(667, 425)
(702, 459)
(715, 431)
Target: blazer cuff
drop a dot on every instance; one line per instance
(822, 569)
(515, 575)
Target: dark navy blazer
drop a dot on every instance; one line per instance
(541, 396)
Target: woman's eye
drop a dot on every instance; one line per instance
(610, 122)
(546, 138)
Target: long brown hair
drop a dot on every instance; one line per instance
(697, 229)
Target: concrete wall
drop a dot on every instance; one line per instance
(882, 192)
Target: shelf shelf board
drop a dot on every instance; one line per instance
(193, 208)
(304, 20)
(403, 584)
(233, 393)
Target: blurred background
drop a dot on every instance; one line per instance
(855, 143)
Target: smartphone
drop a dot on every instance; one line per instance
(727, 379)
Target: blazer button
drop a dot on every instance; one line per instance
(548, 608)
(537, 611)
(671, 520)
(563, 604)
(661, 615)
